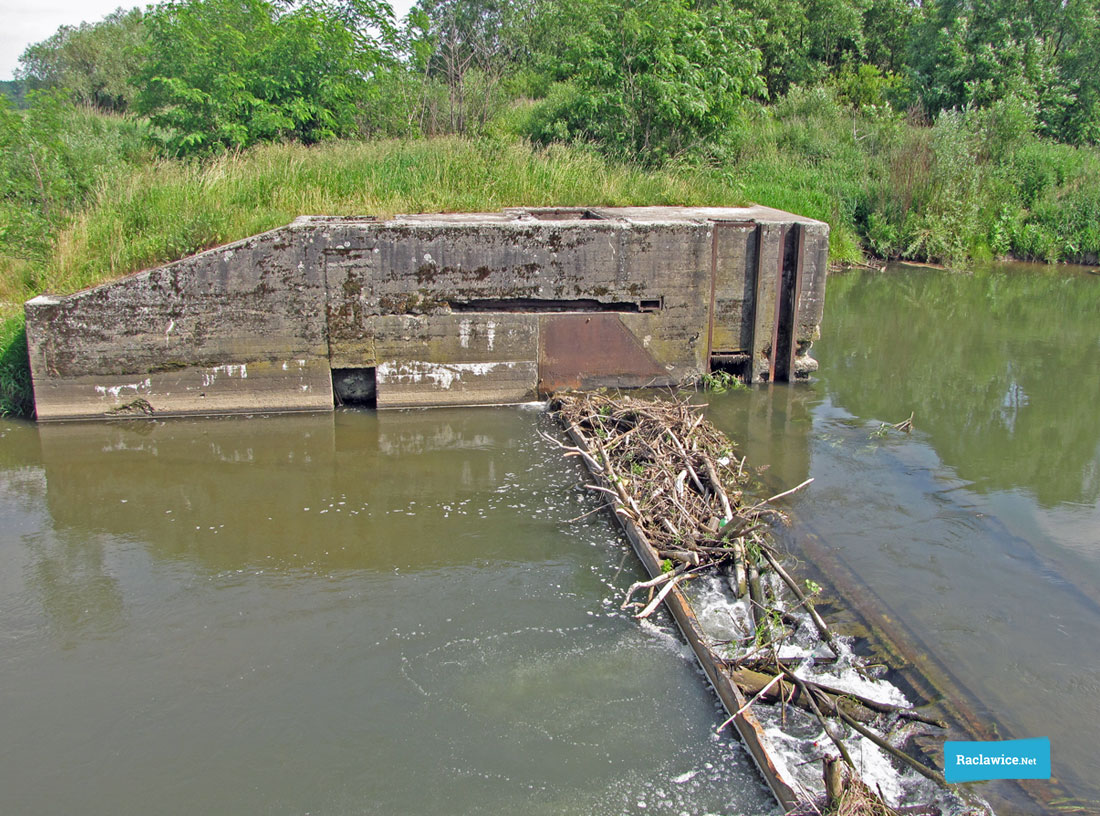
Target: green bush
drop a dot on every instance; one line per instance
(16, 396)
(230, 73)
(52, 158)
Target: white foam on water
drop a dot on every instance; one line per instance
(799, 744)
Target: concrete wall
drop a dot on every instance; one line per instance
(446, 309)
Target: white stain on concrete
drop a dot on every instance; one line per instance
(491, 333)
(442, 375)
(464, 333)
(116, 390)
(210, 376)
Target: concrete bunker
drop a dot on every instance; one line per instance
(429, 310)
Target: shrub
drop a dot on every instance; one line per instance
(16, 396)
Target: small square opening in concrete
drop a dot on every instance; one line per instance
(355, 386)
(565, 214)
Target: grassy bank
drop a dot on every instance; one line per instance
(169, 209)
(972, 185)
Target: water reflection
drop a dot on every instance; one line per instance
(80, 596)
(1000, 366)
(351, 492)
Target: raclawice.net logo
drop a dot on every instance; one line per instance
(1002, 759)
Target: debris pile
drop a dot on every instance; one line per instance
(678, 487)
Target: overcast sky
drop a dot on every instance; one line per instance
(23, 22)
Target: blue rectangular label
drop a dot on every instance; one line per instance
(1002, 759)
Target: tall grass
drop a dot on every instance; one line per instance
(168, 209)
(973, 185)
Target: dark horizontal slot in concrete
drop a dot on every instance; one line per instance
(733, 362)
(540, 305)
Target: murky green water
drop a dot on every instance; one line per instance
(980, 531)
(333, 615)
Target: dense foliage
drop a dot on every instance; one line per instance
(648, 78)
(52, 158)
(230, 73)
(96, 62)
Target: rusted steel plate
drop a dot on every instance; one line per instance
(593, 350)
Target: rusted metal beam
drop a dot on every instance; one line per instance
(796, 296)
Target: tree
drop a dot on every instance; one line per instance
(651, 77)
(474, 44)
(803, 43)
(230, 73)
(886, 27)
(96, 62)
(1042, 52)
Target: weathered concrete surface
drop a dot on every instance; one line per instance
(418, 383)
(445, 309)
(192, 390)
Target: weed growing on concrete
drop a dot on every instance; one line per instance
(722, 381)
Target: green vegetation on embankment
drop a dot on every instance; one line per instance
(937, 131)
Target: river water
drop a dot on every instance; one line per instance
(342, 614)
(979, 532)
(394, 613)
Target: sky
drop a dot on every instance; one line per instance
(23, 22)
